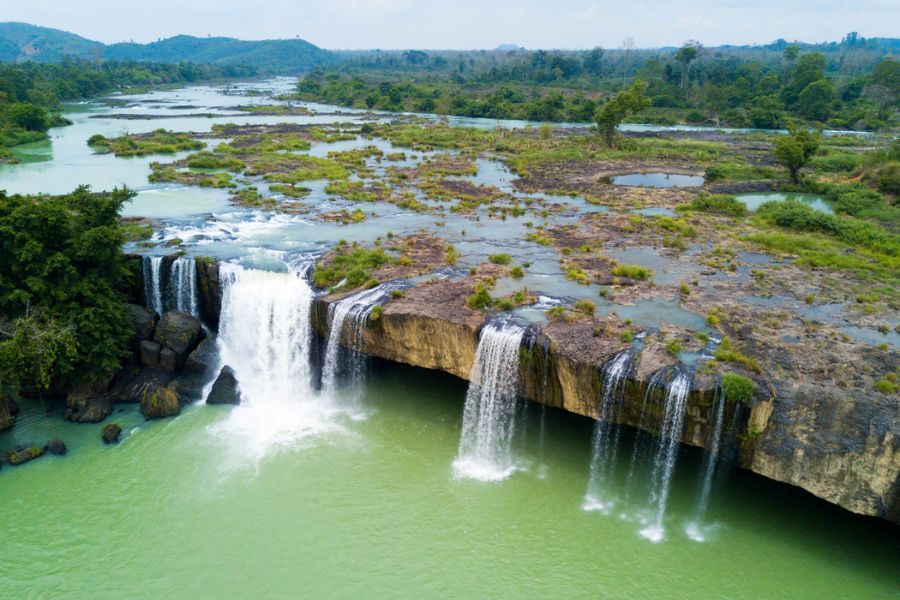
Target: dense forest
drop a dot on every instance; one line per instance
(30, 93)
(851, 85)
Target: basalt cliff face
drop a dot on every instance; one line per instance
(842, 447)
(838, 444)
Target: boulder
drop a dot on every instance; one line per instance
(150, 353)
(143, 322)
(225, 389)
(90, 402)
(160, 402)
(168, 360)
(111, 433)
(23, 454)
(210, 292)
(204, 358)
(56, 447)
(180, 332)
(130, 384)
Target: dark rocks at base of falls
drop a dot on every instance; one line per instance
(179, 333)
(169, 363)
(111, 433)
(8, 411)
(56, 447)
(225, 389)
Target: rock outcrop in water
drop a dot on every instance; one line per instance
(225, 388)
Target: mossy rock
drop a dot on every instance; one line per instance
(160, 402)
(111, 433)
(22, 455)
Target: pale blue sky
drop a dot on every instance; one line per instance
(467, 24)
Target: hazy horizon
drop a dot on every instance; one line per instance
(400, 24)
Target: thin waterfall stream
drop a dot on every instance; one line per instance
(485, 446)
(677, 389)
(606, 429)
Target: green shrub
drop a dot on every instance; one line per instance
(738, 388)
(585, 306)
(720, 204)
(632, 272)
(500, 259)
(480, 299)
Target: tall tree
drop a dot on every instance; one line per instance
(627, 102)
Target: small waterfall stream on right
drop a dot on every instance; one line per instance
(695, 528)
(485, 445)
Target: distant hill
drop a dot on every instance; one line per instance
(21, 41)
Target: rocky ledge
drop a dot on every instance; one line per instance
(841, 445)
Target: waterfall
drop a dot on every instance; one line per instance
(485, 446)
(354, 310)
(606, 430)
(183, 286)
(694, 530)
(676, 394)
(153, 289)
(265, 335)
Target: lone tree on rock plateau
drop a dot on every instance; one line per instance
(625, 103)
(795, 149)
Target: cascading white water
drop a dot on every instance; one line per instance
(183, 286)
(265, 335)
(677, 391)
(153, 288)
(357, 308)
(485, 446)
(606, 430)
(694, 529)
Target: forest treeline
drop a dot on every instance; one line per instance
(851, 85)
(31, 93)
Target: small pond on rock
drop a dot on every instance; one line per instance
(655, 180)
(754, 201)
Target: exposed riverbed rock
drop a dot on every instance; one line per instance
(160, 402)
(179, 332)
(209, 290)
(225, 389)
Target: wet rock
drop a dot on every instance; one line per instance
(168, 360)
(130, 384)
(180, 332)
(23, 454)
(210, 292)
(203, 359)
(150, 353)
(143, 321)
(89, 403)
(56, 447)
(160, 402)
(225, 389)
(111, 433)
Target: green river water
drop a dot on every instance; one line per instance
(216, 504)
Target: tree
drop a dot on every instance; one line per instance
(815, 100)
(62, 269)
(628, 47)
(686, 55)
(795, 149)
(614, 111)
(593, 61)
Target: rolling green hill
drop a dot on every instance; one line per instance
(21, 42)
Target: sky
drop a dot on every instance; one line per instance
(467, 24)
